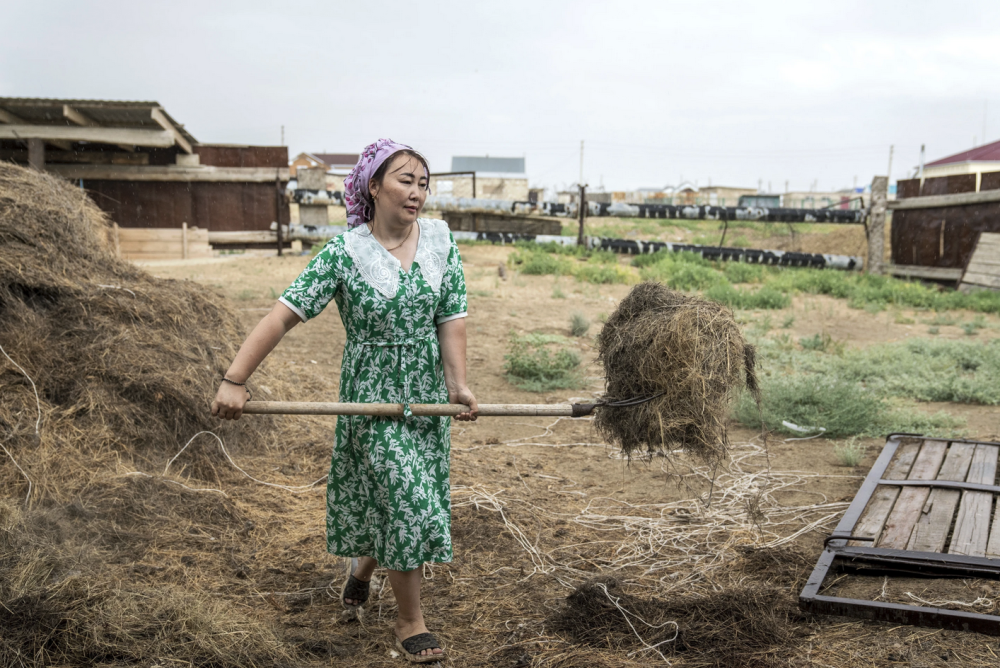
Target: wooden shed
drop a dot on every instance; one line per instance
(936, 222)
(146, 170)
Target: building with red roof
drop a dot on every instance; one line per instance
(985, 158)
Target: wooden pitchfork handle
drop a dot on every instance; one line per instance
(396, 410)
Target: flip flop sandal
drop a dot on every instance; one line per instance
(414, 645)
(354, 589)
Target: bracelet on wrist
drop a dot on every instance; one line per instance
(243, 385)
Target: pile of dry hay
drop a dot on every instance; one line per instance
(685, 352)
(106, 371)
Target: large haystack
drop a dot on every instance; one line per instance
(125, 367)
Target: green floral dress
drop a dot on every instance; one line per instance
(388, 495)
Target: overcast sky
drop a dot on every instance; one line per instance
(732, 92)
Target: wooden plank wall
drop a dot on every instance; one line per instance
(983, 270)
(945, 236)
(209, 206)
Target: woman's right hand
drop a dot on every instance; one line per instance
(229, 401)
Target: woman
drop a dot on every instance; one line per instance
(398, 284)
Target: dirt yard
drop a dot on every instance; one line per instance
(541, 507)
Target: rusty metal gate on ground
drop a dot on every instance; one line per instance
(927, 508)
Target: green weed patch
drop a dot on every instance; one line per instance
(541, 362)
(839, 406)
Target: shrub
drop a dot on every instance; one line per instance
(841, 407)
(741, 272)
(927, 370)
(578, 324)
(850, 453)
(764, 298)
(535, 263)
(822, 343)
(683, 275)
(538, 363)
(603, 274)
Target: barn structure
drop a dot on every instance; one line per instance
(147, 171)
(936, 223)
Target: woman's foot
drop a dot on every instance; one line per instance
(407, 632)
(355, 594)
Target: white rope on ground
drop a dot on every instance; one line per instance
(978, 603)
(27, 497)
(34, 389)
(626, 614)
(295, 489)
(38, 422)
(165, 479)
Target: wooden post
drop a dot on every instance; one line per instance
(36, 154)
(277, 211)
(876, 226)
(583, 214)
(184, 241)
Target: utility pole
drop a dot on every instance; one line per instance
(889, 173)
(583, 208)
(920, 170)
(282, 135)
(580, 182)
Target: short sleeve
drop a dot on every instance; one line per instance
(309, 294)
(454, 302)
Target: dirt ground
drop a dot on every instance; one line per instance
(541, 505)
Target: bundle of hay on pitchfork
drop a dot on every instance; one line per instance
(673, 364)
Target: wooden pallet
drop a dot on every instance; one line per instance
(142, 243)
(983, 270)
(927, 506)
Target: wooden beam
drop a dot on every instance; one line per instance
(916, 271)
(75, 117)
(936, 201)
(161, 118)
(171, 173)
(128, 136)
(36, 154)
(7, 117)
(243, 237)
(82, 157)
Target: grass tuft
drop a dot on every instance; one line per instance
(541, 362)
(850, 453)
(579, 324)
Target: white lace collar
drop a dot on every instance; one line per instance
(380, 269)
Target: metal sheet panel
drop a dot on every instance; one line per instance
(907, 188)
(942, 237)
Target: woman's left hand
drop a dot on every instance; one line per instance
(463, 395)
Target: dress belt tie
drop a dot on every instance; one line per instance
(400, 346)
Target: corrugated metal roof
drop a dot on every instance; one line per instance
(984, 153)
(107, 113)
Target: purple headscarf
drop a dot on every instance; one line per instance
(360, 207)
